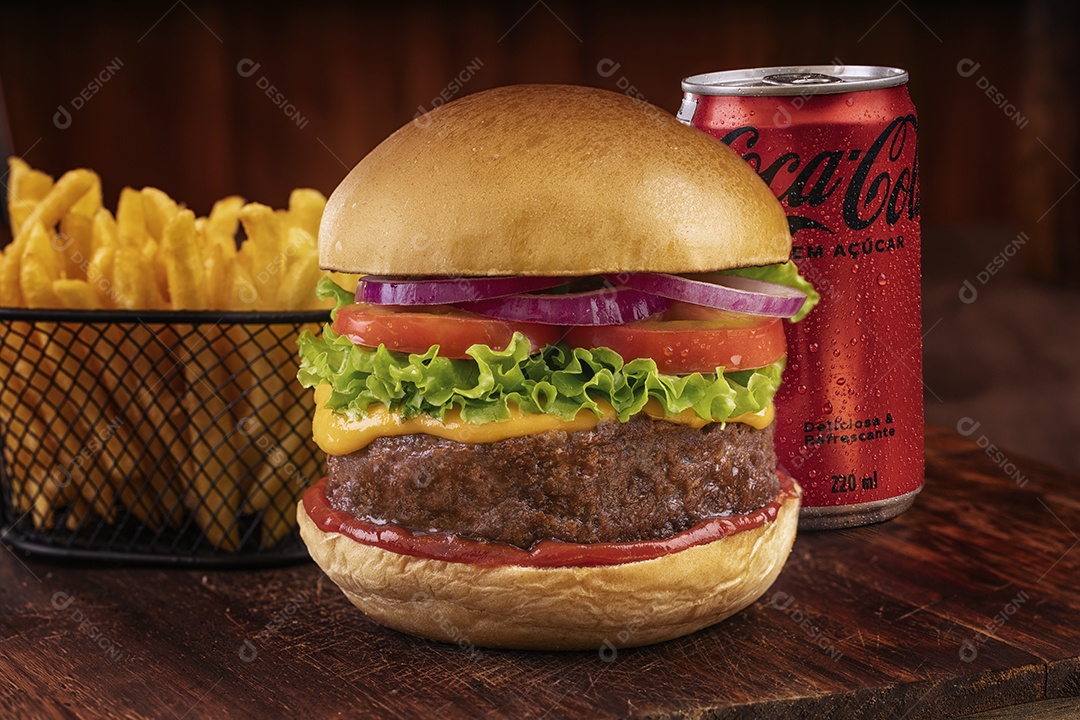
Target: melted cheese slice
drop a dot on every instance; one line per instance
(339, 434)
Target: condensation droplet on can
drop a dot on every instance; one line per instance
(813, 347)
(881, 279)
(801, 389)
(840, 381)
(836, 352)
(826, 407)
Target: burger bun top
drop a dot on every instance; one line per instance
(550, 180)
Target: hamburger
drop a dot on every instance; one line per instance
(547, 406)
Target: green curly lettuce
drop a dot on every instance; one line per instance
(783, 274)
(559, 380)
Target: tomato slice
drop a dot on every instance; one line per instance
(690, 338)
(415, 329)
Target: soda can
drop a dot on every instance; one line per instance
(838, 146)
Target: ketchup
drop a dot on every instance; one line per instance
(546, 553)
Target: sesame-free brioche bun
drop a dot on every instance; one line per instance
(550, 180)
(558, 608)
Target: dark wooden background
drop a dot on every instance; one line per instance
(177, 113)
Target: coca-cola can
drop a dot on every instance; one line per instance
(837, 145)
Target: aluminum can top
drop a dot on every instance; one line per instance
(796, 80)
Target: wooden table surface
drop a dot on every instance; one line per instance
(968, 602)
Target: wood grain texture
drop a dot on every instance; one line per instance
(888, 621)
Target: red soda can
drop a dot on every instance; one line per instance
(837, 145)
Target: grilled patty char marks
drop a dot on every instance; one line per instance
(621, 482)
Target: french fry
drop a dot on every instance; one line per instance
(217, 278)
(38, 245)
(28, 441)
(131, 218)
(305, 210)
(302, 275)
(145, 397)
(56, 401)
(224, 219)
(25, 183)
(78, 515)
(37, 284)
(76, 294)
(243, 294)
(26, 188)
(75, 243)
(19, 211)
(100, 273)
(131, 286)
(104, 231)
(10, 268)
(264, 249)
(278, 520)
(184, 263)
(71, 186)
(277, 475)
(90, 202)
(159, 210)
(211, 496)
(117, 273)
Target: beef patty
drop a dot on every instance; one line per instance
(620, 482)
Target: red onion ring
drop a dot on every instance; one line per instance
(725, 292)
(384, 290)
(607, 306)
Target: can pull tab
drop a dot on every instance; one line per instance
(687, 110)
(800, 78)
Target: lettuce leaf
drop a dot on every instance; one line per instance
(783, 274)
(559, 380)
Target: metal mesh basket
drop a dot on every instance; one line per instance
(155, 436)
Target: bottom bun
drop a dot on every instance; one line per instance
(557, 608)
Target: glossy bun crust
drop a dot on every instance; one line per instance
(550, 180)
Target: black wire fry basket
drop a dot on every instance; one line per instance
(155, 437)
